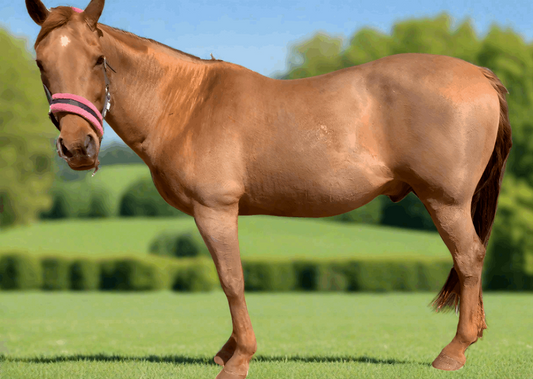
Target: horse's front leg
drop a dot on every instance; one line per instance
(218, 226)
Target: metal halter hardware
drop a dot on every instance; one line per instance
(83, 107)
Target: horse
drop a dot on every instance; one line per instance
(222, 141)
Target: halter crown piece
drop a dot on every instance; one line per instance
(69, 103)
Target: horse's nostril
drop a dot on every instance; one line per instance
(90, 146)
(88, 140)
(64, 149)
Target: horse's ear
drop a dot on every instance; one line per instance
(93, 11)
(37, 11)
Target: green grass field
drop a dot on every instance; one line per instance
(164, 335)
(259, 236)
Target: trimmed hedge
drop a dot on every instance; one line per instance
(56, 273)
(193, 275)
(70, 199)
(179, 245)
(317, 275)
(142, 199)
(269, 275)
(100, 203)
(22, 271)
(84, 275)
(397, 275)
(372, 274)
(19, 271)
(132, 274)
(78, 199)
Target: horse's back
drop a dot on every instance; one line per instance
(329, 144)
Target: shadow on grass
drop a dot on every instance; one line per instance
(337, 359)
(181, 359)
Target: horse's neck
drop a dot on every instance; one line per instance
(149, 87)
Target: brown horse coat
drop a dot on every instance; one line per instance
(223, 141)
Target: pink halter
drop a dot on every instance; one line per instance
(70, 103)
(61, 103)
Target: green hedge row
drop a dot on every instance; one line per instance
(24, 271)
(346, 275)
(20, 271)
(188, 244)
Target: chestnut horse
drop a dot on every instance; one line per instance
(223, 141)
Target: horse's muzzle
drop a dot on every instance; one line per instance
(80, 155)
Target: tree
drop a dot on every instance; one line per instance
(509, 263)
(25, 136)
(118, 153)
(314, 57)
(142, 199)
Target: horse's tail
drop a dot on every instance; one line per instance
(485, 197)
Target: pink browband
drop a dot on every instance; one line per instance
(77, 10)
(69, 108)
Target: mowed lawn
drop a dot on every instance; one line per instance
(259, 236)
(167, 335)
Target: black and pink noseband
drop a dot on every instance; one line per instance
(69, 103)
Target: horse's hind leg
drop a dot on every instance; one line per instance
(454, 223)
(218, 227)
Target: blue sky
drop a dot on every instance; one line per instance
(258, 34)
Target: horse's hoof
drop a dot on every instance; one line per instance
(447, 363)
(228, 375)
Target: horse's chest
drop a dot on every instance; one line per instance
(172, 190)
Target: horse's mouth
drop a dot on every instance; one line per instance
(84, 167)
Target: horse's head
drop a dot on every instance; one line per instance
(72, 67)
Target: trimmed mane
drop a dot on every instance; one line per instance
(132, 35)
(61, 15)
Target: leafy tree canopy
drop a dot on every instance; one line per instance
(25, 136)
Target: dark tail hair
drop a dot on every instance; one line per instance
(485, 197)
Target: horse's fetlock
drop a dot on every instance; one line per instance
(472, 337)
(471, 280)
(249, 348)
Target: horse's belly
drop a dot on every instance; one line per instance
(307, 194)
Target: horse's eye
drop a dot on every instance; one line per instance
(100, 60)
(40, 65)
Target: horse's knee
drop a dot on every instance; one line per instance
(469, 265)
(233, 287)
